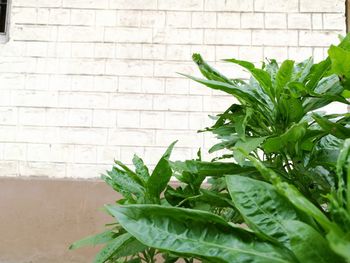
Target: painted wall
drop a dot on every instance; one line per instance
(86, 81)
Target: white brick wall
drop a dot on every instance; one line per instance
(83, 81)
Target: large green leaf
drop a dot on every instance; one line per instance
(196, 233)
(161, 175)
(309, 245)
(262, 207)
(294, 196)
(340, 244)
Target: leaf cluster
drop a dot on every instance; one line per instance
(278, 190)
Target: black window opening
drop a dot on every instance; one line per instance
(3, 16)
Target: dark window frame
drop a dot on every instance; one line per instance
(4, 20)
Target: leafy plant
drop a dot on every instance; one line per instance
(278, 192)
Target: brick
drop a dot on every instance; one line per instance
(334, 22)
(178, 52)
(252, 20)
(189, 5)
(128, 119)
(104, 118)
(126, 18)
(178, 103)
(34, 98)
(185, 138)
(129, 68)
(59, 16)
(34, 32)
(85, 154)
(107, 154)
(176, 86)
(203, 20)
(278, 53)
(299, 53)
(275, 21)
(216, 103)
(276, 5)
(153, 19)
(275, 38)
(153, 51)
(14, 151)
(131, 102)
(135, 4)
(228, 5)
(106, 18)
(254, 54)
(129, 51)
(178, 36)
(177, 120)
(89, 100)
(227, 36)
(8, 115)
(130, 84)
(56, 170)
(80, 34)
(62, 153)
(317, 39)
(299, 21)
(24, 15)
(128, 35)
(82, 50)
(32, 116)
(322, 6)
(105, 50)
(229, 20)
(178, 19)
(317, 21)
(80, 118)
(38, 152)
(152, 119)
(103, 4)
(72, 135)
(87, 171)
(170, 69)
(153, 85)
(131, 137)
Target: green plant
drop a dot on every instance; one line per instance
(279, 192)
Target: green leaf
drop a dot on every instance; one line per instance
(260, 75)
(340, 244)
(94, 240)
(309, 245)
(293, 195)
(206, 169)
(333, 128)
(283, 76)
(114, 247)
(196, 233)
(249, 145)
(161, 175)
(262, 207)
(291, 136)
(141, 169)
(340, 59)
